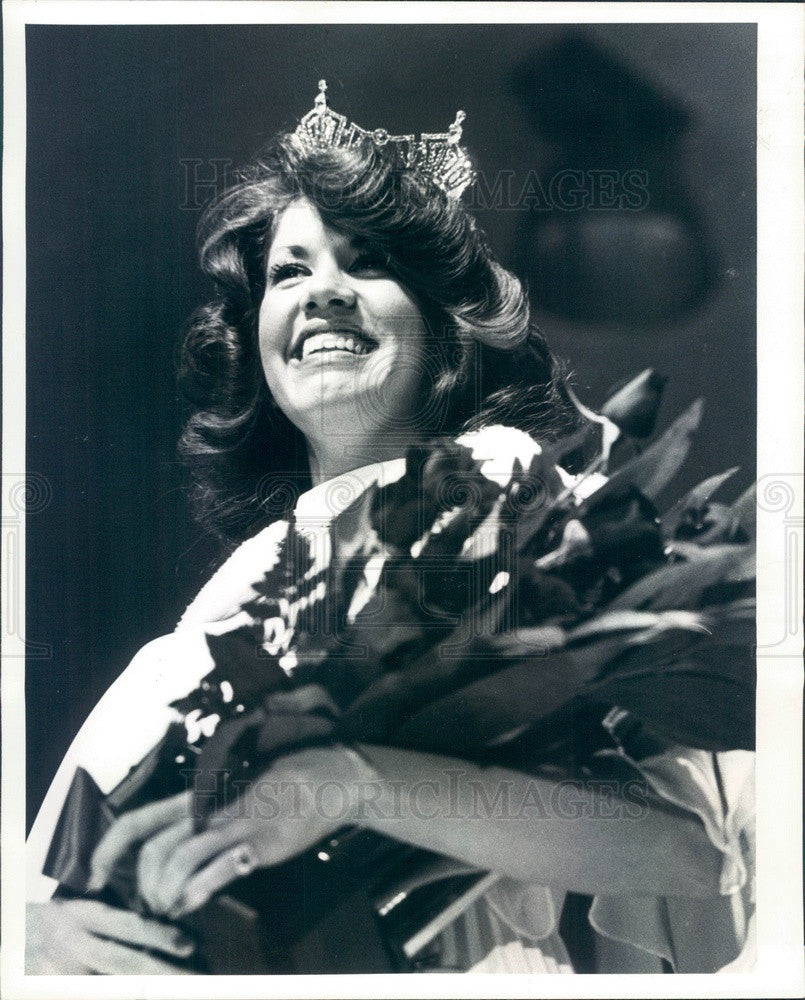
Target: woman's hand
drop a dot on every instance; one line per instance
(87, 937)
(301, 799)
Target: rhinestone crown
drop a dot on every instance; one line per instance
(437, 155)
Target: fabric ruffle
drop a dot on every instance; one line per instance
(692, 935)
(697, 935)
(512, 928)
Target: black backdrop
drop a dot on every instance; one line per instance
(130, 129)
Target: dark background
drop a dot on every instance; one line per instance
(125, 126)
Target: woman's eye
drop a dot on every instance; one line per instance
(282, 272)
(370, 261)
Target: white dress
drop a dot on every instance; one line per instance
(513, 926)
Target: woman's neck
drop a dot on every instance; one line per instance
(335, 456)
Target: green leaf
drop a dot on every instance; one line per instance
(695, 500)
(699, 495)
(704, 703)
(628, 621)
(654, 469)
(744, 513)
(556, 450)
(745, 568)
(734, 622)
(681, 585)
(634, 407)
(532, 641)
(486, 709)
(739, 609)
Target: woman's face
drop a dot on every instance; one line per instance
(342, 342)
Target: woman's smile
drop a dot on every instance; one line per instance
(329, 341)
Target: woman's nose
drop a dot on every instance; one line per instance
(328, 289)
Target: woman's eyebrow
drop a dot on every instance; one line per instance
(353, 243)
(294, 250)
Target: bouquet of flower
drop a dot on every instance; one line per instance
(514, 617)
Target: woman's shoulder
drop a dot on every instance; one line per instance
(502, 448)
(232, 584)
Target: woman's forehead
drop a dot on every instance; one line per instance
(300, 227)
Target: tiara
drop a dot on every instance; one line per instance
(437, 155)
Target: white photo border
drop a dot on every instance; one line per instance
(779, 970)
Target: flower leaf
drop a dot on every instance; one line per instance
(734, 622)
(707, 703)
(482, 711)
(556, 450)
(745, 567)
(681, 585)
(744, 513)
(654, 469)
(622, 526)
(532, 641)
(634, 408)
(628, 621)
(694, 503)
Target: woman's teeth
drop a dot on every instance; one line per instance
(333, 342)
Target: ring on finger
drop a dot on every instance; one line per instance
(244, 860)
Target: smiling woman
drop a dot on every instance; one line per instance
(452, 346)
(360, 325)
(339, 335)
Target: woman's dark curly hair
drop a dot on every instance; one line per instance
(490, 365)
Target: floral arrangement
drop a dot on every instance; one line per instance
(521, 617)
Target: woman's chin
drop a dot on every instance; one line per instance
(329, 377)
(336, 410)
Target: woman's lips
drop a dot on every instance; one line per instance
(332, 342)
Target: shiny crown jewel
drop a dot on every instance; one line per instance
(437, 155)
